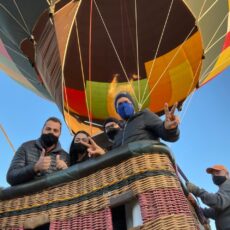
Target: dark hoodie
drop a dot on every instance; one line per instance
(145, 125)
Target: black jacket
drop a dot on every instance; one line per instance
(145, 125)
(21, 168)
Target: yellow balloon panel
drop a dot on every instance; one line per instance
(76, 125)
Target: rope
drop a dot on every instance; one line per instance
(65, 96)
(122, 9)
(209, 46)
(15, 51)
(206, 72)
(184, 111)
(28, 31)
(158, 46)
(7, 138)
(23, 56)
(206, 50)
(90, 64)
(168, 65)
(187, 106)
(82, 69)
(9, 38)
(15, 19)
(137, 49)
(198, 67)
(207, 11)
(115, 50)
(83, 78)
(201, 9)
(190, 98)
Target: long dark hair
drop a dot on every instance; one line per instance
(73, 155)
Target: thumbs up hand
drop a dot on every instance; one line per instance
(43, 162)
(60, 164)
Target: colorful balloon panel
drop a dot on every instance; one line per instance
(80, 54)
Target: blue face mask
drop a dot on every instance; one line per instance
(125, 110)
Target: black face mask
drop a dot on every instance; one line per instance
(48, 140)
(111, 132)
(77, 149)
(218, 180)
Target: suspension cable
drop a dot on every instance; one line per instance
(158, 47)
(115, 50)
(172, 59)
(15, 19)
(82, 71)
(137, 56)
(19, 11)
(7, 138)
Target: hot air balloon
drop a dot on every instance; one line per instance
(80, 54)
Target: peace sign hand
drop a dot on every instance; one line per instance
(92, 148)
(171, 120)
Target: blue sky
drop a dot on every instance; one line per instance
(204, 128)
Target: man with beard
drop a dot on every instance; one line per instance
(39, 157)
(219, 202)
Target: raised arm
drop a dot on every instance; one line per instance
(166, 130)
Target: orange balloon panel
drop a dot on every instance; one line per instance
(174, 75)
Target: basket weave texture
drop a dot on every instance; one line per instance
(85, 203)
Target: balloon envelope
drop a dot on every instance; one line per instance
(80, 54)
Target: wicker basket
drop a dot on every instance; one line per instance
(85, 203)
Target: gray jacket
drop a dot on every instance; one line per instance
(22, 165)
(219, 204)
(145, 125)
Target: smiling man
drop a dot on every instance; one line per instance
(39, 157)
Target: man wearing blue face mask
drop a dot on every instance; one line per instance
(144, 125)
(219, 202)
